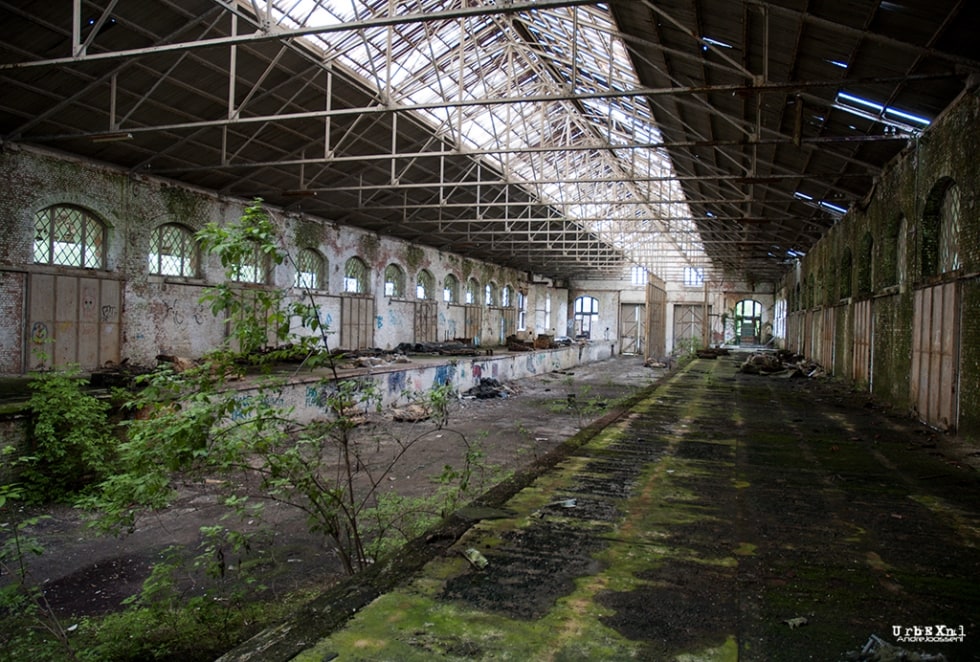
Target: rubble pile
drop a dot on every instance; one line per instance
(487, 387)
(783, 363)
(448, 348)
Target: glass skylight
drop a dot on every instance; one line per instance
(541, 94)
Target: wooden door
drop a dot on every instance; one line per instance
(631, 319)
(688, 326)
(426, 321)
(356, 322)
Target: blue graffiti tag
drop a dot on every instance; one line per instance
(381, 321)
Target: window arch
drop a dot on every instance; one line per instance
(846, 267)
(506, 296)
(866, 265)
(425, 286)
(949, 231)
(941, 229)
(355, 276)
(472, 292)
(70, 237)
(747, 323)
(394, 281)
(586, 315)
(252, 268)
(450, 289)
(311, 269)
(490, 294)
(173, 251)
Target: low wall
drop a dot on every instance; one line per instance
(308, 395)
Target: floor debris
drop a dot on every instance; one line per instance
(879, 650)
(797, 622)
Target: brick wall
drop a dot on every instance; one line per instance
(899, 228)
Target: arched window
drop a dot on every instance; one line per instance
(846, 267)
(507, 297)
(748, 322)
(70, 237)
(311, 269)
(173, 251)
(450, 289)
(253, 267)
(865, 271)
(949, 231)
(472, 292)
(425, 286)
(355, 276)
(490, 294)
(586, 315)
(902, 252)
(394, 281)
(941, 229)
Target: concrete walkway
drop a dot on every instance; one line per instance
(722, 517)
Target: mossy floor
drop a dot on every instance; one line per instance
(726, 517)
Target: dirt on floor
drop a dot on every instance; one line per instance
(84, 573)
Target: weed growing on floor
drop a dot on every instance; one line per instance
(71, 441)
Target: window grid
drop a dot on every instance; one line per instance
(450, 289)
(949, 231)
(69, 237)
(425, 286)
(472, 292)
(251, 269)
(490, 294)
(173, 252)
(394, 281)
(355, 276)
(310, 270)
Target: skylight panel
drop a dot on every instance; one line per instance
(869, 109)
(482, 60)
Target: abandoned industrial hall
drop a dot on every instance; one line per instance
(755, 221)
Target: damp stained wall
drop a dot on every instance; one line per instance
(163, 314)
(879, 301)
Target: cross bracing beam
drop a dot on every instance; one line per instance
(281, 34)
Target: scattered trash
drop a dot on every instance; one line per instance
(797, 622)
(565, 503)
(879, 650)
(487, 387)
(476, 559)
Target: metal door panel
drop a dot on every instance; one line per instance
(935, 354)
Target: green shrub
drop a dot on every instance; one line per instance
(71, 440)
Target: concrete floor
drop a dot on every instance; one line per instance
(721, 516)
